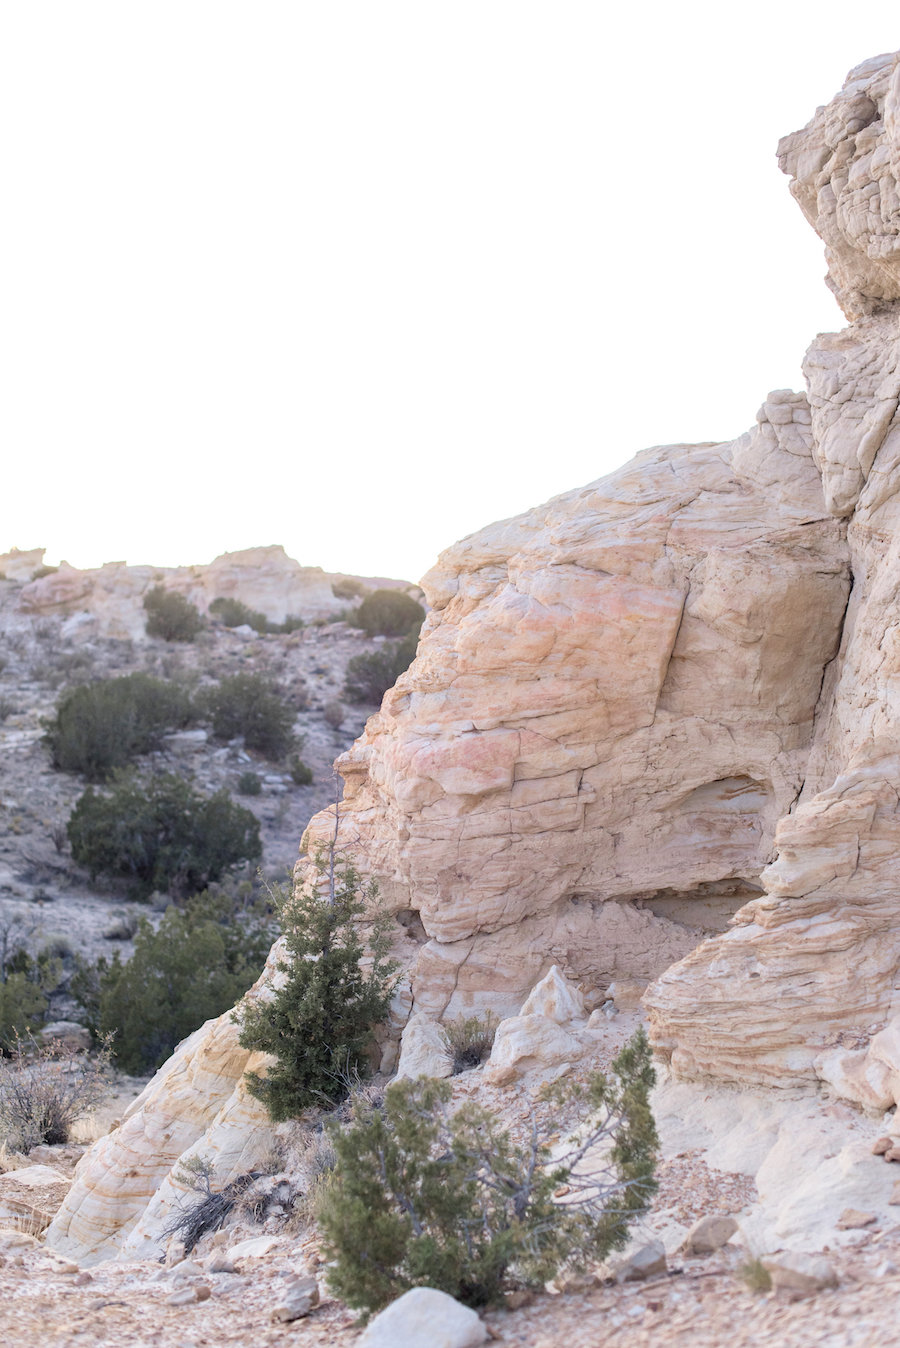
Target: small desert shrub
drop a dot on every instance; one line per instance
(44, 571)
(369, 676)
(249, 784)
(171, 616)
(470, 1039)
(755, 1276)
(232, 613)
(157, 832)
(301, 773)
(249, 705)
(99, 727)
(8, 707)
(389, 613)
(23, 1006)
(192, 967)
(25, 984)
(348, 588)
(193, 1219)
(319, 1024)
(334, 714)
(292, 623)
(45, 1089)
(423, 1197)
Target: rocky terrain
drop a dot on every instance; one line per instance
(644, 764)
(47, 646)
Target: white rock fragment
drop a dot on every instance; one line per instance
(423, 1049)
(424, 1318)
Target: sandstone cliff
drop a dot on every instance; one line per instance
(647, 734)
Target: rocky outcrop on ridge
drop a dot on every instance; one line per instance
(107, 601)
(652, 729)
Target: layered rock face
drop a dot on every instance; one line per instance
(611, 708)
(653, 728)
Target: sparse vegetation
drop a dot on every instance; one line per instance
(423, 1197)
(25, 984)
(249, 705)
(301, 773)
(99, 727)
(333, 714)
(370, 675)
(470, 1039)
(348, 588)
(232, 613)
(755, 1276)
(45, 1089)
(158, 832)
(319, 1025)
(389, 613)
(193, 1219)
(249, 784)
(193, 966)
(171, 616)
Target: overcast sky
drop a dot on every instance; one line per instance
(359, 276)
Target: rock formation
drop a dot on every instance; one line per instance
(647, 737)
(108, 600)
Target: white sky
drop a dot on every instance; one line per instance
(360, 276)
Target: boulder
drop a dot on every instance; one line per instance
(556, 998)
(299, 1297)
(647, 1262)
(799, 1274)
(424, 1318)
(709, 1234)
(424, 1051)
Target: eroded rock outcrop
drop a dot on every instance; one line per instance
(648, 736)
(108, 600)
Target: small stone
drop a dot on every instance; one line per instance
(174, 1253)
(852, 1219)
(298, 1300)
(186, 1269)
(893, 1154)
(709, 1234)
(646, 1262)
(424, 1318)
(887, 1269)
(884, 1144)
(894, 1200)
(218, 1262)
(515, 1301)
(203, 1291)
(184, 1296)
(799, 1274)
(82, 1279)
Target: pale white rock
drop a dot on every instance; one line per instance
(799, 1273)
(556, 998)
(530, 1044)
(649, 1261)
(709, 1234)
(300, 1296)
(424, 1051)
(256, 1247)
(21, 565)
(424, 1318)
